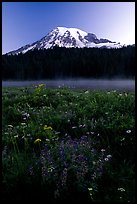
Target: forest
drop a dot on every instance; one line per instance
(70, 63)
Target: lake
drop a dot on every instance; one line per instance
(93, 84)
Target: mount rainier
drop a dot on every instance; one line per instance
(67, 37)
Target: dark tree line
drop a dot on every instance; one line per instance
(70, 62)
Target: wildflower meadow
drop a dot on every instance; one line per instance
(66, 144)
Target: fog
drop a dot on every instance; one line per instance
(93, 84)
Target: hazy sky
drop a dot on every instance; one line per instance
(27, 22)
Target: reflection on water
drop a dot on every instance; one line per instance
(124, 85)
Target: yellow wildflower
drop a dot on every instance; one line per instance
(41, 85)
(47, 128)
(37, 140)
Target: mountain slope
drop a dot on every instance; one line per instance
(67, 37)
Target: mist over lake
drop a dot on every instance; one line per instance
(93, 84)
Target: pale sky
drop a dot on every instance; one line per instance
(26, 22)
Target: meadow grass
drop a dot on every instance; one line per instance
(63, 144)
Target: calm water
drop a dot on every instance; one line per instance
(122, 85)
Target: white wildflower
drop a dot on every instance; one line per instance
(128, 131)
(92, 133)
(90, 189)
(109, 156)
(23, 123)
(50, 169)
(10, 126)
(74, 127)
(121, 189)
(87, 133)
(26, 115)
(47, 140)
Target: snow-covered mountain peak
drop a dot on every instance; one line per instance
(72, 30)
(68, 37)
